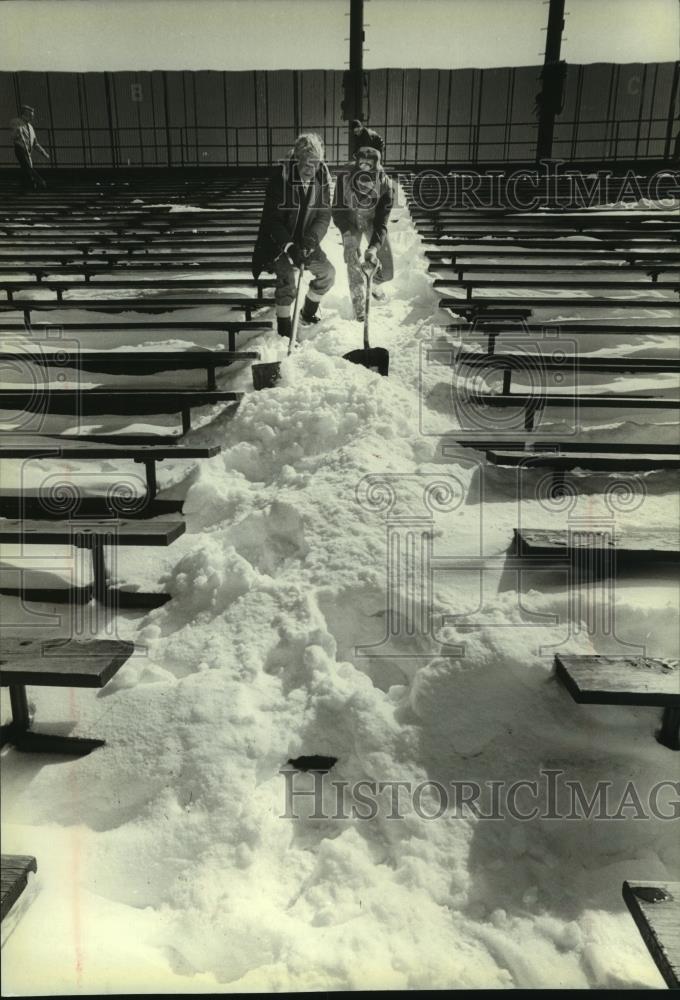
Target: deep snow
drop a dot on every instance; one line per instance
(164, 861)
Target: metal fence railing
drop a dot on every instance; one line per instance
(405, 144)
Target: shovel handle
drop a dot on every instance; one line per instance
(296, 311)
(367, 306)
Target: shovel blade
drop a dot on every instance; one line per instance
(266, 375)
(375, 358)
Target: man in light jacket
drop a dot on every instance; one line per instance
(295, 219)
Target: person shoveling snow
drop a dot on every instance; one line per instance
(361, 207)
(295, 219)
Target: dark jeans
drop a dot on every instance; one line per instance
(30, 178)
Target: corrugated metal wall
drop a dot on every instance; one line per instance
(427, 116)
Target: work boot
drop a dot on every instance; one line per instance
(284, 326)
(308, 313)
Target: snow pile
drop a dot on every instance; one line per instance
(169, 860)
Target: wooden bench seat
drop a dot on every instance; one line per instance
(127, 326)
(590, 460)
(531, 445)
(639, 547)
(655, 908)
(492, 328)
(126, 246)
(14, 872)
(572, 364)
(105, 261)
(470, 284)
(467, 306)
(121, 219)
(130, 281)
(571, 266)
(472, 222)
(93, 534)
(529, 242)
(248, 305)
(562, 252)
(121, 237)
(109, 448)
(124, 402)
(534, 403)
(637, 222)
(620, 680)
(55, 663)
(114, 267)
(139, 361)
(34, 506)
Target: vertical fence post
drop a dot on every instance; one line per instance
(109, 118)
(551, 90)
(667, 152)
(166, 111)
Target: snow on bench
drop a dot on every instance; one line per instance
(14, 872)
(643, 545)
(655, 908)
(534, 402)
(55, 663)
(596, 461)
(171, 327)
(125, 402)
(139, 361)
(626, 680)
(92, 534)
(247, 304)
(114, 446)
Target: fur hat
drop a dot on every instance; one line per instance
(369, 155)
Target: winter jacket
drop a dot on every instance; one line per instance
(285, 217)
(352, 210)
(367, 137)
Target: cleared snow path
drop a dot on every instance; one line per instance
(165, 862)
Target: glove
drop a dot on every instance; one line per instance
(370, 263)
(295, 255)
(309, 245)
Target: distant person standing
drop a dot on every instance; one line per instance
(362, 136)
(24, 141)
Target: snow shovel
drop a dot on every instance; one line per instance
(267, 374)
(377, 359)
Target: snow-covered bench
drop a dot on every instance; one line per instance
(644, 545)
(637, 258)
(55, 663)
(534, 402)
(626, 680)
(94, 534)
(126, 402)
(139, 325)
(14, 872)
(485, 303)
(137, 361)
(111, 448)
(155, 304)
(655, 908)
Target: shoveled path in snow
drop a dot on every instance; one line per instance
(166, 862)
